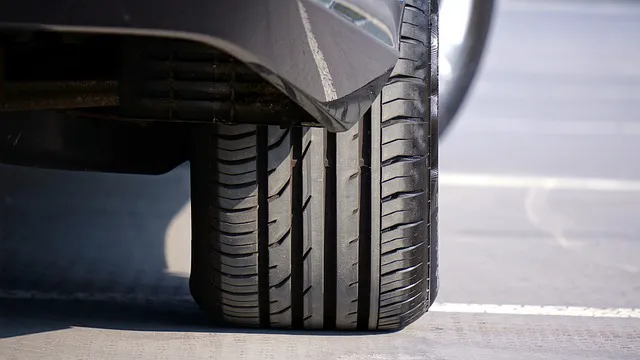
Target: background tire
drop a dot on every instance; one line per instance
(308, 229)
(463, 59)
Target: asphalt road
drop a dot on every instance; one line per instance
(540, 196)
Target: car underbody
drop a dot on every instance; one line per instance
(130, 80)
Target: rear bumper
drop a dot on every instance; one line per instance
(331, 56)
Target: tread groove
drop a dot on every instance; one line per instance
(306, 203)
(281, 283)
(404, 248)
(281, 191)
(401, 158)
(281, 240)
(232, 256)
(306, 254)
(232, 234)
(364, 245)
(330, 232)
(281, 311)
(401, 225)
(297, 262)
(262, 141)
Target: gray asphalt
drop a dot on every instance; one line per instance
(96, 265)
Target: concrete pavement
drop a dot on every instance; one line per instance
(95, 265)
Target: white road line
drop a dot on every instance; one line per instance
(628, 313)
(530, 182)
(325, 76)
(565, 127)
(593, 7)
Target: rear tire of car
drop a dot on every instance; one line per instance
(302, 228)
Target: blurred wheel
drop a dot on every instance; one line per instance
(464, 27)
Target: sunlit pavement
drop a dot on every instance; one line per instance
(539, 204)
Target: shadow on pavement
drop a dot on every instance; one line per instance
(23, 317)
(67, 233)
(109, 237)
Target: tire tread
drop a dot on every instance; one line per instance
(325, 230)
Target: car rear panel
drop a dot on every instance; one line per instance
(331, 56)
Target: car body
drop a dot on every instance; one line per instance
(289, 43)
(311, 128)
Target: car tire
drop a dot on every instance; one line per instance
(303, 228)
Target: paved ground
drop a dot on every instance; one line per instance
(524, 221)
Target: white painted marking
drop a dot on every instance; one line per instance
(574, 7)
(630, 313)
(524, 182)
(540, 310)
(325, 76)
(494, 125)
(578, 92)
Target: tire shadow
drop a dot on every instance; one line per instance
(24, 317)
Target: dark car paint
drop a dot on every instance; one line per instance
(331, 56)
